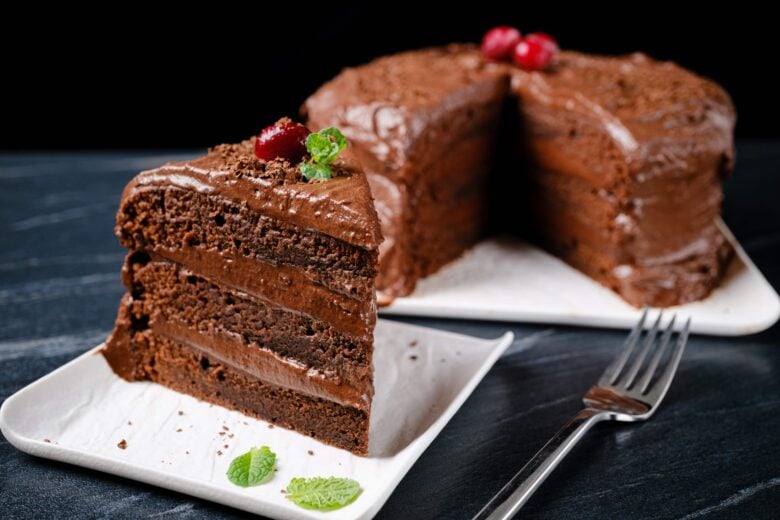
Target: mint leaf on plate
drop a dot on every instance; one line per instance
(252, 468)
(322, 494)
(314, 171)
(324, 146)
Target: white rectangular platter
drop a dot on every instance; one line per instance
(514, 281)
(81, 412)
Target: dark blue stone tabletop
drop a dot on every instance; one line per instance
(712, 451)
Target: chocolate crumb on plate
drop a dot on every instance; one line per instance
(181, 413)
(219, 453)
(46, 440)
(413, 358)
(122, 444)
(413, 343)
(178, 430)
(310, 452)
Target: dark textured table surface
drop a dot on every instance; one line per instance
(711, 451)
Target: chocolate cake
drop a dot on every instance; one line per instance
(625, 160)
(423, 126)
(616, 164)
(253, 289)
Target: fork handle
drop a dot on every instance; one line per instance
(519, 489)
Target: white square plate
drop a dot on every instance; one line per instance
(514, 281)
(81, 411)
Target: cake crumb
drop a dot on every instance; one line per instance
(226, 446)
(221, 434)
(186, 452)
(46, 440)
(181, 413)
(129, 423)
(225, 428)
(310, 452)
(413, 358)
(271, 426)
(413, 343)
(122, 444)
(230, 435)
(284, 491)
(178, 430)
(219, 453)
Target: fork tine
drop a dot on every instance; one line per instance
(613, 371)
(640, 358)
(667, 373)
(644, 382)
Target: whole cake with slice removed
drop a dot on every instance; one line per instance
(614, 164)
(251, 287)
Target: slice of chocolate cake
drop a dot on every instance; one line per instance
(423, 125)
(252, 288)
(625, 158)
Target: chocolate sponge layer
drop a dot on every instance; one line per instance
(136, 353)
(247, 331)
(158, 219)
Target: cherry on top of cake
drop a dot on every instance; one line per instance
(637, 97)
(340, 206)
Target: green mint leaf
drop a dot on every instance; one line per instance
(252, 468)
(314, 171)
(322, 494)
(324, 146)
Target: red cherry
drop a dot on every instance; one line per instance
(499, 42)
(535, 52)
(285, 139)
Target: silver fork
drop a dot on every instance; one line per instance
(621, 394)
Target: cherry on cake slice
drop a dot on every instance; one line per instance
(250, 283)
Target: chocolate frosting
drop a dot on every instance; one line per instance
(652, 142)
(394, 106)
(341, 207)
(652, 110)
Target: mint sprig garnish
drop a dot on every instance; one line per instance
(323, 494)
(323, 147)
(252, 468)
(316, 172)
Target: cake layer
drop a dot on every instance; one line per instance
(137, 354)
(340, 208)
(168, 219)
(286, 348)
(423, 125)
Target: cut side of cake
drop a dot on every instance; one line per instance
(613, 164)
(423, 125)
(251, 288)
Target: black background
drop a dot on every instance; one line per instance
(200, 76)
